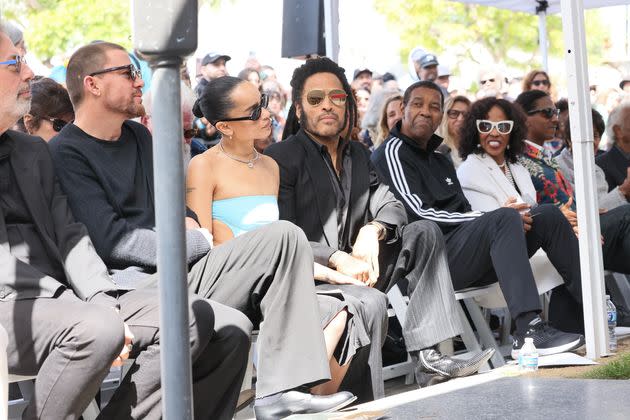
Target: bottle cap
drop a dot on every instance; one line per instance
(529, 340)
(607, 296)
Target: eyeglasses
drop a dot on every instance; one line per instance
(547, 112)
(189, 133)
(503, 127)
(541, 82)
(455, 114)
(316, 96)
(57, 123)
(132, 72)
(264, 101)
(17, 61)
(483, 82)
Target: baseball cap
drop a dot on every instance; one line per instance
(428, 60)
(214, 56)
(358, 72)
(443, 70)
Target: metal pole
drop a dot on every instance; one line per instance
(542, 38)
(169, 217)
(331, 26)
(591, 266)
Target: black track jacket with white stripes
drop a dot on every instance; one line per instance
(425, 181)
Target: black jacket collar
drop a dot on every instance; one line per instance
(433, 143)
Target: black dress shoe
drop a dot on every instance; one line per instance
(294, 402)
(433, 362)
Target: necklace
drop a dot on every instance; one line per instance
(248, 162)
(508, 174)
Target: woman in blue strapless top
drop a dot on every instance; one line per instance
(233, 189)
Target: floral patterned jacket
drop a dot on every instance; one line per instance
(551, 186)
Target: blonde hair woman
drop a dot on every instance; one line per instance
(456, 110)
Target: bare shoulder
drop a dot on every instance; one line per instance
(269, 162)
(203, 163)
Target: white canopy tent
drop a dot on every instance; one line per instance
(591, 264)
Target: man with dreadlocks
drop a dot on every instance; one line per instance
(356, 226)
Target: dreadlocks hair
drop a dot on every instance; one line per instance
(306, 70)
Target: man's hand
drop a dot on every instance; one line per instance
(624, 188)
(523, 209)
(124, 353)
(191, 223)
(568, 213)
(350, 266)
(333, 277)
(366, 249)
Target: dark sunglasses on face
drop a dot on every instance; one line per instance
(17, 61)
(57, 123)
(483, 82)
(316, 96)
(503, 127)
(256, 113)
(455, 114)
(131, 71)
(540, 82)
(546, 112)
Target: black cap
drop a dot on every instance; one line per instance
(428, 60)
(624, 80)
(358, 72)
(214, 56)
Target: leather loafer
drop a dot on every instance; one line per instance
(294, 402)
(432, 361)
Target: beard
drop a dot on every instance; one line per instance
(130, 109)
(306, 125)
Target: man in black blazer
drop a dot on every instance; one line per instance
(66, 319)
(356, 226)
(616, 161)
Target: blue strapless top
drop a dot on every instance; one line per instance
(242, 214)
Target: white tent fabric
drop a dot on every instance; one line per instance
(529, 6)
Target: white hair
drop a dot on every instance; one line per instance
(616, 118)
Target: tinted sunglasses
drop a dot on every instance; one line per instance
(316, 96)
(17, 61)
(483, 82)
(256, 113)
(540, 82)
(547, 112)
(132, 71)
(454, 114)
(503, 127)
(57, 123)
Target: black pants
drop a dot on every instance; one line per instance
(615, 226)
(494, 247)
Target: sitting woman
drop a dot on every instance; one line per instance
(491, 139)
(455, 112)
(391, 113)
(50, 111)
(233, 189)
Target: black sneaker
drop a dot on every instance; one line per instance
(547, 339)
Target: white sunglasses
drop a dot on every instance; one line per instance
(503, 127)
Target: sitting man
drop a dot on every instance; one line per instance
(104, 164)
(552, 186)
(66, 319)
(616, 161)
(329, 188)
(482, 248)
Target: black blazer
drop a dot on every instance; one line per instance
(64, 238)
(615, 167)
(307, 198)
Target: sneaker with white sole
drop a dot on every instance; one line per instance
(547, 339)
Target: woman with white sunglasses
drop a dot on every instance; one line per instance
(491, 139)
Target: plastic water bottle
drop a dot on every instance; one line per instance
(528, 356)
(612, 323)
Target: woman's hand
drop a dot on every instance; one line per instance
(523, 209)
(569, 214)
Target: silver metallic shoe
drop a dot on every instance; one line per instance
(432, 361)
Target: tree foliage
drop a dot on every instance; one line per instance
(54, 27)
(440, 24)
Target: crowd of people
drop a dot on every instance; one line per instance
(304, 206)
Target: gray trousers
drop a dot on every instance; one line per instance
(420, 261)
(268, 275)
(70, 345)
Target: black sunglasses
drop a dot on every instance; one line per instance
(483, 82)
(57, 123)
(132, 72)
(255, 115)
(540, 82)
(547, 112)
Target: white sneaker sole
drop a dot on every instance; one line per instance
(342, 405)
(574, 345)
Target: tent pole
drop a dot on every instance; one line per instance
(331, 28)
(591, 265)
(542, 39)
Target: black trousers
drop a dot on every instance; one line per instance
(615, 227)
(494, 248)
